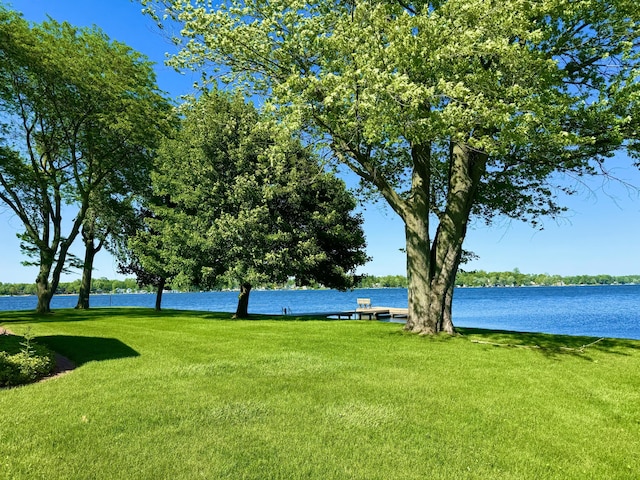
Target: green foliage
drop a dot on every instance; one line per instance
(245, 202)
(79, 114)
(23, 361)
(98, 285)
(23, 368)
(273, 398)
(385, 281)
(446, 109)
(476, 278)
(515, 278)
(480, 278)
(538, 86)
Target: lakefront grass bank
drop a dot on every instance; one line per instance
(196, 395)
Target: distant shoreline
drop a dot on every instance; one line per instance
(145, 292)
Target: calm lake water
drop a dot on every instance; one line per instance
(603, 311)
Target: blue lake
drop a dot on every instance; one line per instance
(603, 311)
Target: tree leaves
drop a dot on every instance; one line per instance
(79, 114)
(249, 204)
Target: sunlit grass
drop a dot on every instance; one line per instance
(197, 395)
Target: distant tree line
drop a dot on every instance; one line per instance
(515, 278)
(98, 285)
(476, 278)
(385, 281)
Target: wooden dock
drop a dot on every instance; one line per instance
(372, 313)
(365, 310)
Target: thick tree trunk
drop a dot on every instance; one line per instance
(431, 269)
(442, 284)
(243, 301)
(415, 213)
(45, 294)
(432, 266)
(447, 318)
(50, 266)
(441, 299)
(90, 250)
(466, 169)
(44, 289)
(159, 291)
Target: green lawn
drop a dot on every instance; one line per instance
(185, 395)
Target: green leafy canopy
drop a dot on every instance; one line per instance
(80, 116)
(539, 86)
(247, 203)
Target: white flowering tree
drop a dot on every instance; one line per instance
(447, 109)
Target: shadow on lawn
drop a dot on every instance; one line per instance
(550, 345)
(73, 315)
(101, 313)
(87, 349)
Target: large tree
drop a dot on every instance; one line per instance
(447, 109)
(77, 112)
(138, 247)
(249, 205)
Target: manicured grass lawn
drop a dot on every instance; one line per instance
(184, 395)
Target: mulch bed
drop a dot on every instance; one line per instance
(63, 365)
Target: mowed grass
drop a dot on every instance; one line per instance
(185, 395)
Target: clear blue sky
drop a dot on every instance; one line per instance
(600, 233)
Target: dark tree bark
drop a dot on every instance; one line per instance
(160, 289)
(417, 236)
(87, 270)
(45, 288)
(85, 283)
(414, 211)
(49, 264)
(243, 301)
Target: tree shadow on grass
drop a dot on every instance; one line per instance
(549, 344)
(73, 315)
(81, 350)
(101, 313)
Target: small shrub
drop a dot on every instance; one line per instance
(28, 365)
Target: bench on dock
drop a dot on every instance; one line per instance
(364, 302)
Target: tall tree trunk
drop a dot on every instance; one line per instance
(415, 214)
(243, 301)
(432, 266)
(447, 318)
(50, 266)
(466, 169)
(159, 290)
(44, 288)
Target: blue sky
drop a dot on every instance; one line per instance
(600, 233)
